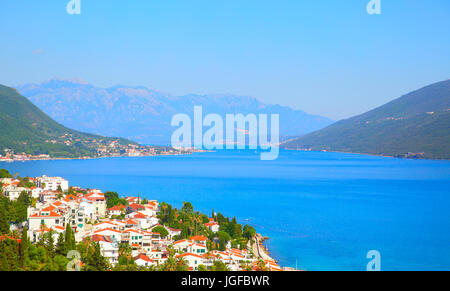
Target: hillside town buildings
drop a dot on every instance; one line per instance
(86, 212)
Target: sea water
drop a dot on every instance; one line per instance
(322, 211)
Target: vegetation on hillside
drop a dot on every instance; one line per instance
(416, 125)
(26, 129)
(191, 223)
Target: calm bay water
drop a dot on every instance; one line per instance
(323, 210)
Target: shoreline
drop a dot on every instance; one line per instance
(259, 249)
(87, 158)
(367, 154)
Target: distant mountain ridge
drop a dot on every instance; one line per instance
(144, 115)
(416, 125)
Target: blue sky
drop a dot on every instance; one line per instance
(325, 57)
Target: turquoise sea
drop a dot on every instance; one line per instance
(324, 211)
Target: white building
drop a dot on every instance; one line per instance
(13, 193)
(88, 209)
(108, 247)
(144, 261)
(193, 260)
(213, 226)
(52, 183)
(114, 234)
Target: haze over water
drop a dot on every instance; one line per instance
(325, 210)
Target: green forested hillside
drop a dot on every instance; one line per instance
(25, 128)
(415, 125)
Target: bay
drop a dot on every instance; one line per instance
(322, 211)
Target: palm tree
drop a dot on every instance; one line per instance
(125, 250)
(245, 266)
(182, 265)
(170, 264)
(261, 266)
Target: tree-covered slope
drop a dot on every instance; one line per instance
(25, 128)
(414, 125)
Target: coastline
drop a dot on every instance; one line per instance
(367, 154)
(259, 249)
(87, 158)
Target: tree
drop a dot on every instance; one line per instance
(249, 232)
(60, 245)
(219, 266)
(202, 268)
(161, 230)
(5, 174)
(60, 263)
(24, 247)
(261, 266)
(49, 243)
(69, 242)
(96, 261)
(187, 208)
(9, 255)
(224, 238)
(4, 223)
(113, 199)
(245, 266)
(182, 265)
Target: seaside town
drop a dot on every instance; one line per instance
(48, 219)
(111, 149)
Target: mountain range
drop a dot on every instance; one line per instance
(416, 125)
(144, 115)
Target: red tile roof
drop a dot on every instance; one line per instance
(51, 214)
(188, 254)
(99, 238)
(199, 238)
(144, 258)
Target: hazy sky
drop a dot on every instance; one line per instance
(324, 57)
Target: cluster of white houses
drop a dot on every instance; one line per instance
(88, 216)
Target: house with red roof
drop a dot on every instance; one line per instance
(144, 261)
(116, 210)
(112, 233)
(213, 226)
(48, 218)
(108, 247)
(193, 260)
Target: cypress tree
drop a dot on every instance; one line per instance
(60, 245)
(50, 244)
(24, 247)
(96, 261)
(4, 223)
(69, 243)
